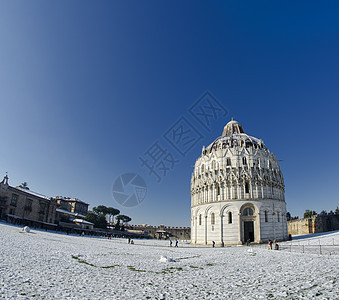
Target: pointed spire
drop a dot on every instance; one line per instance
(5, 180)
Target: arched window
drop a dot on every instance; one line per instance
(244, 161)
(218, 190)
(228, 161)
(229, 218)
(202, 168)
(278, 216)
(247, 212)
(247, 187)
(200, 219)
(212, 219)
(266, 217)
(213, 164)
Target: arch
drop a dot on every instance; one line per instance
(207, 209)
(250, 223)
(250, 205)
(223, 209)
(247, 212)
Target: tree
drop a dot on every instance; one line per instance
(337, 210)
(323, 212)
(91, 217)
(288, 216)
(123, 219)
(101, 209)
(309, 213)
(111, 211)
(99, 220)
(24, 186)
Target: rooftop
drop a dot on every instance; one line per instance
(69, 199)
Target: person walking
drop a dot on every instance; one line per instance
(176, 243)
(213, 244)
(269, 245)
(170, 243)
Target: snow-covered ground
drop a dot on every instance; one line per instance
(326, 243)
(47, 265)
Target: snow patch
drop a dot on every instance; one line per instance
(166, 259)
(27, 229)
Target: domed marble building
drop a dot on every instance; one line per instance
(237, 191)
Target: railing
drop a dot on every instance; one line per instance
(312, 249)
(307, 249)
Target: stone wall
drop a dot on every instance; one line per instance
(24, 206)
(224, 222)
(164, 232)
(316, 224)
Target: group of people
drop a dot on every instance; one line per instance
(248, 243)
(176, 243)
(270, 245)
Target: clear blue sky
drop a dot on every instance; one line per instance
(86, 87)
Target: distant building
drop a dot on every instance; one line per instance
(161, 232)
(22, 206)
(315, 224)
(237, 191)
(70, 208)
(83, 224)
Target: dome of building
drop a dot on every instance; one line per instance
(233, 136)
(237, 191)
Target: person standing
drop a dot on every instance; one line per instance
(276, 246)
(213, 244)
(170, 243)
(176, 243)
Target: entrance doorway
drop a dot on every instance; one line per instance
(248, 231)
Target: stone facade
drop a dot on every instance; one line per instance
(316, 224)
(23, 206)
(237, 192)
(70, 208)
(163, 232)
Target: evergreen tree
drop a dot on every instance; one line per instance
(309, 213)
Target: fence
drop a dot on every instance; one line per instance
(308, 249)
